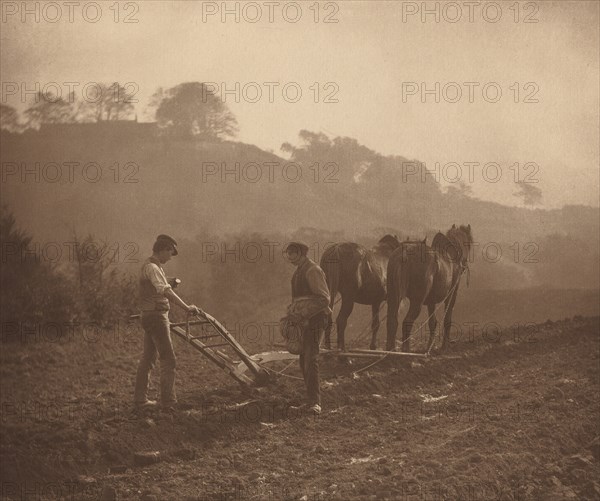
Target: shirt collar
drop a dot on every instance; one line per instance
(152, 259)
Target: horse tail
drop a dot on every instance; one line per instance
(331, 264)
(402, 282)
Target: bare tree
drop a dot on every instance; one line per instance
(111, 102)
(50, 109)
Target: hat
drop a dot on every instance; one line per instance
(167, 238)
(296, 247)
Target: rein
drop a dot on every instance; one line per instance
(452, 289)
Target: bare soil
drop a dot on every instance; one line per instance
(510, 418)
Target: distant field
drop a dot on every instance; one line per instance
(506, 308)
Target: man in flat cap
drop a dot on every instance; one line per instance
(155, 293)
(311, 294)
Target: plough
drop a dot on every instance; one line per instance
(213, 349)
(211, 345)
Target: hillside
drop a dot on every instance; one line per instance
(191, 189)
(167, 192)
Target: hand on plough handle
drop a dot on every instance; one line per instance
(194, 310)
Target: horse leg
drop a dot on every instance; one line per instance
(342, 320)
(448, 317)
(432, 326)
(407, 325)
(392, 321)
(374, 324)
(327, 336)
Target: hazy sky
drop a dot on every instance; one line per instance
(370, 55)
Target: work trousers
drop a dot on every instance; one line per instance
(157, 341)
(309, 359)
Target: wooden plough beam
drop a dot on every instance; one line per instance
(380, 353)
(277, 356)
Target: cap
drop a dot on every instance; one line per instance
(169, 239)
(296, 248)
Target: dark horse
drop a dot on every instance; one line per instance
(426, 275)
(359, 275)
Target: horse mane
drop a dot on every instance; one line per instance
(465, 230)
(390, 240)
(451, 244)
(441, 241)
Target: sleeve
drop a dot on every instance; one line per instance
(158, 280)
(318, 284)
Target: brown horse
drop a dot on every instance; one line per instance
(359, 275)
(426, 275)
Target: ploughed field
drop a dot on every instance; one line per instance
(513, 416)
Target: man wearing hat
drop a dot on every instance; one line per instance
(309, 281)
(155, 293)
